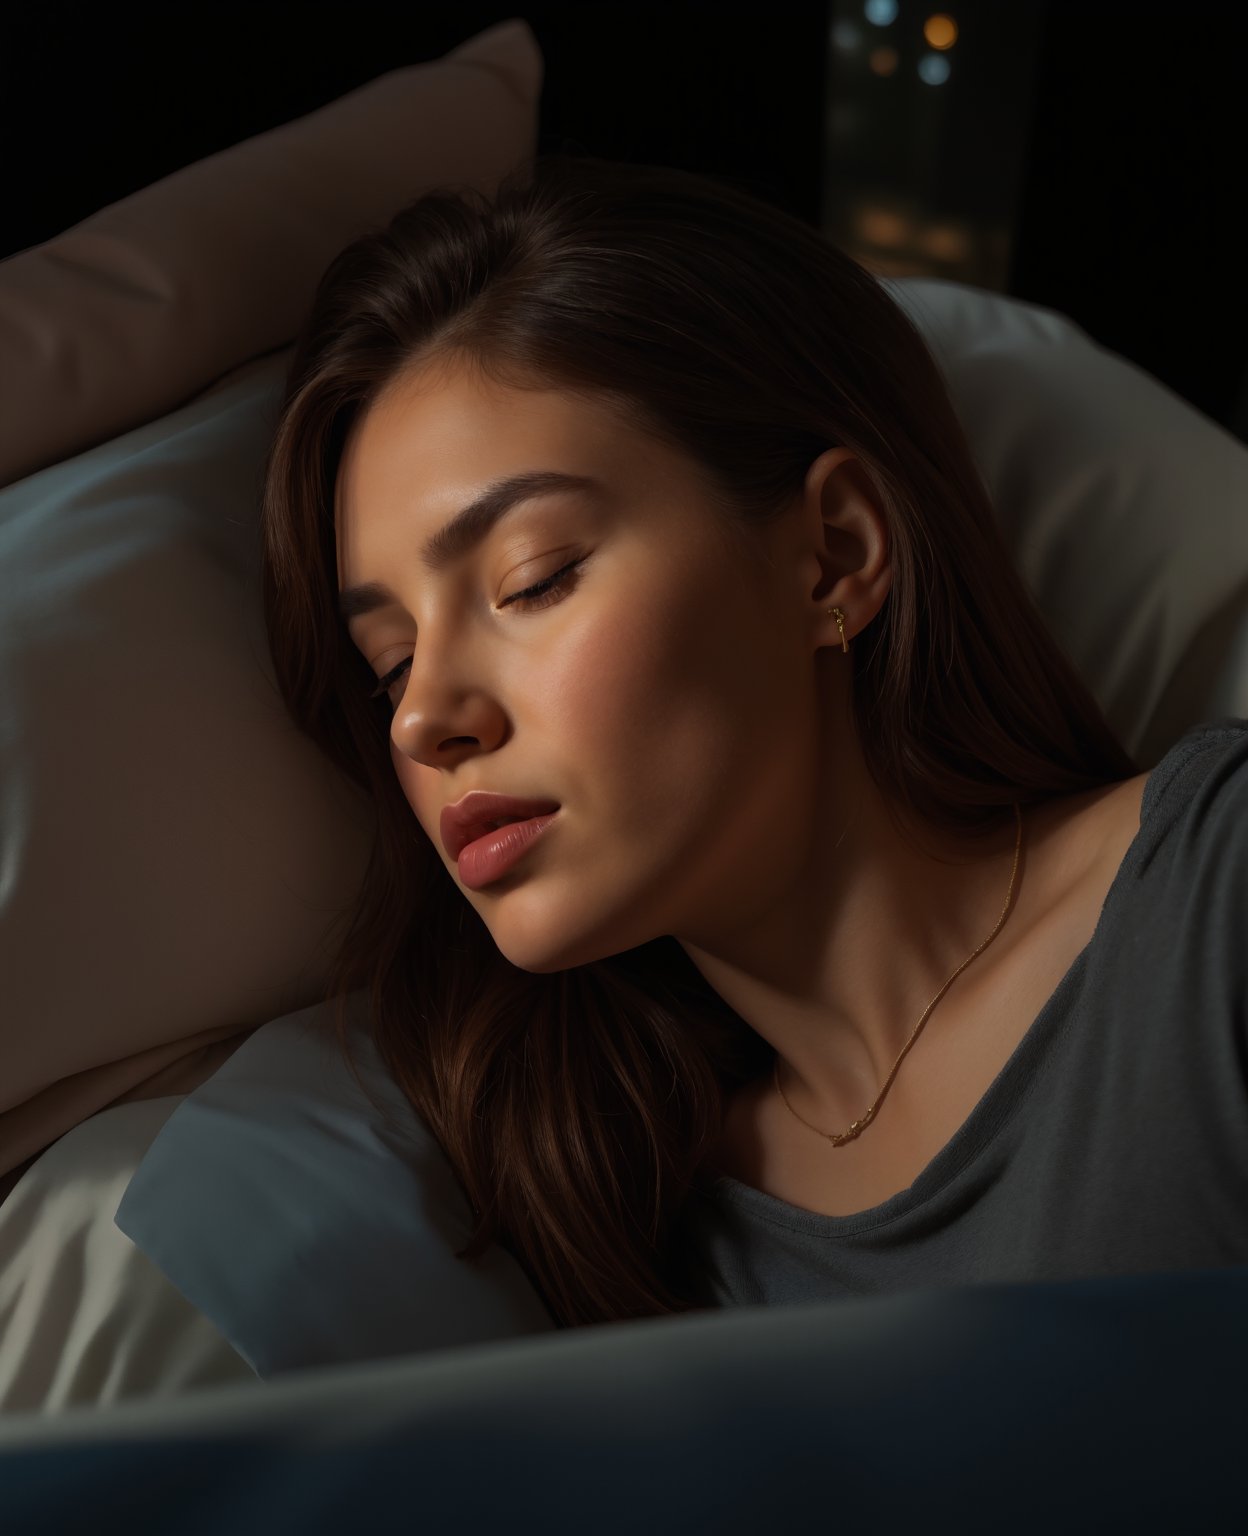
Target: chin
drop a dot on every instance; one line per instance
(549, 960)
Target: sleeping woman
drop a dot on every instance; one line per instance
(761, 908)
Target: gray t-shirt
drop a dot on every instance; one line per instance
(1115, 1138)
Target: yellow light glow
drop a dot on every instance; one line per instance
(881, 226)
(944, 241)
(940, 31)
(883, 61)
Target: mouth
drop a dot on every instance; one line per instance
(478, 814)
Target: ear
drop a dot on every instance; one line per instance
(850, 543)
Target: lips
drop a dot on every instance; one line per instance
(478, 811)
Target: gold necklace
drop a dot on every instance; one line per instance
(860, 1125)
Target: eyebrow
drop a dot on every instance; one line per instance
(467, 529)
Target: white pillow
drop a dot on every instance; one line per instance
(86, 1319)
(175, 851)
(1126, 509)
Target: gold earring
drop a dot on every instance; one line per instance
(840, 624)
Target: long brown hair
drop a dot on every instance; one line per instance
(578, 1108)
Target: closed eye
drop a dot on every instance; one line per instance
(542, 595)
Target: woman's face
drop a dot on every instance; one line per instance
(665, 695)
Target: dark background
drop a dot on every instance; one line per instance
(1124, 161)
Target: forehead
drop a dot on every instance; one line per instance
(433, 438)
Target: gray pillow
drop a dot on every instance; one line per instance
(309, 1227)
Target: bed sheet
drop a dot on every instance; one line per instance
(86, 1318)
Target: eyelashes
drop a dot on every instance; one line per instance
(542, 595)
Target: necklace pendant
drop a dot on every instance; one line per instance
(856, 1129)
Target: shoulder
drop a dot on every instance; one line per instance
(1208, 764)
(1196, 798)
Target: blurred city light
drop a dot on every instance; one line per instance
(934, 68)
(940, 31)
(883, 226)
(880, 12)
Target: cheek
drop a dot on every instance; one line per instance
(644, 711)
(602, 690)
(594, 674)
